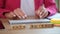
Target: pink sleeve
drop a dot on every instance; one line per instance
(51, 6)
(3, 11)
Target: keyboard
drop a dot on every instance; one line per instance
(28, 21)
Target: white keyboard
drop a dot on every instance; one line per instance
(28, 21)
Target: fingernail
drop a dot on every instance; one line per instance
(23, 17)
(40, 13)
(19, 16)
(14, 15)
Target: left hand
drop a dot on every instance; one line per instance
(42, 12)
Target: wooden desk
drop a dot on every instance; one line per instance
(55, 30)
(7, 25)
(7, 30)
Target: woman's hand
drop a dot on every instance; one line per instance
(10, 15)
(42, 12)
(16, 13)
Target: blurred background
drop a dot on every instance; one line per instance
(58, 4)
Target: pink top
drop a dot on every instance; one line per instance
(10, 5)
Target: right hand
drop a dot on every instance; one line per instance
(16, 13)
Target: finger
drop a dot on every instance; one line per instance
(16, 13)
(8, 15)
(21, 13)
(37, 12)
(44, 14)
(41, 13)
(12, 13)
(40, 10)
